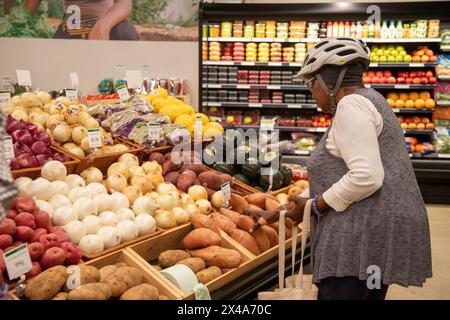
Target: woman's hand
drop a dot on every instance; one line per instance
(100, 31)
(294, 211)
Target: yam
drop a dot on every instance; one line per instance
(143, 291)
(271, 204)
(271, 235)
(169, 166)
(106, 271)
(218, 256)
(223, 222)
(197, 168)
(202, 221)
(246, 240)
(172, 177)
(289, 225)
(200, 238)
(91, 291)
(282, 198)
(186, 179)
(232, 215)
(157, 267)
(258, 199)
(295, 191)
(88, 274)
(46, 284)
(210, 192)
(123, 279)
(163, 297)
(195, 264)
(61, 296)
(169, 258)
(253, 207)
(208, 275)
(246, 223)
(261, 240)
(158, 157)
(238, 203)
(213, 179)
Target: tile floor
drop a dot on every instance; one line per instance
(438, 287)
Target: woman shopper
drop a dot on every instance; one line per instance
(369, 219)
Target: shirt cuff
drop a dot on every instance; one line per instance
(334, 201)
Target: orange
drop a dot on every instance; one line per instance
(425, 95)
(392, 95)
(403, 96)
(391, 102)
(412, 126)
(429, 103)
(409, 104)
(413, 96)
(399, 103)
(419, 103)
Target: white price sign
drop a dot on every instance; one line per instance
(5, 99)
(95, 140)
(7, 146)
(74, 80)
(266, 124)
(123, 93)
(442, 131)
(24, 78)
(72, 94)
(198, 135)
(154, 131)
(17, 261)
(226, 194)
(134, 79)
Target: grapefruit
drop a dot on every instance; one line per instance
(214, 125)
(429, 103)
(174, 100)
(392, 95)
(160, 92)
(409, 103)
(413, 96)
(403, 96)
(399, 103)
(391, 102)
(425, 95)
(184, 120)
(419, 103)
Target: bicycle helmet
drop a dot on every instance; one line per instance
(334, 52)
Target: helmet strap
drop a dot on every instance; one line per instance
(333, 92)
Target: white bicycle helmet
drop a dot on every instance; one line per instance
(334, 52)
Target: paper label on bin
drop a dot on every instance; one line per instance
(201, 292)
(266, 124)
(24, 78)
(7, 147)
(134, 79)
(123, 93)
(5, 99)
(95, 140)
(226, 194)
(154, 131)
(74, 80)
(17, 261)
(72, 94)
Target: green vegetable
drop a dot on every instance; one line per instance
(242, 178)
(287, 175)
(250, 170)
(225, 168)
(277, 181)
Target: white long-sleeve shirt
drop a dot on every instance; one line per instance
(354, 138)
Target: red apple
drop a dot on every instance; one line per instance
(375, 79)
(62, 236)
(424, 80)
(409, 80)
(49, 240)
(58, 228)
(37, 234)
(416, 80)
(5, 241)
(401, 80)
(11, 214)
(371, 74)
(432, 80)
(23, 233)
(24, 204)
(387, 73)
(36, 250)
(2, 262)
(391, 80)
(420, 74)
(379, 74)
(367, 79)
(433, 59)
(403, 74)
(383, 80)
(413, 74)
(73, 253)
(42, 219)
(25, 219)
(429, 73)
(8, 226)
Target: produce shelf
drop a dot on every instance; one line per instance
(402, 64)
(418, 132)
(300, 87)
(306, 40)
(310, 106)
(412, 110)
(401, 86)
(445, 47)
(281, 128)
(445, 78)
(252, 63)
(443, 103)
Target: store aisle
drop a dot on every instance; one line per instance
(439, 286)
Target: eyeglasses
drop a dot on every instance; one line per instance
(310, 83)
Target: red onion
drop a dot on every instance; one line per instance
(43, 137)
(40, 147)
(27, 161)
(31, 128)
(13, 125)
(43, 159)
(22, 136)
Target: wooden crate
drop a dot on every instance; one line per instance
(149, 250)
(282, 190)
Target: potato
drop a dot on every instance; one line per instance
(233, 215)
(91, 291)
(123, 279)
(200, 238)
(195, 264)
(169, 166)
(218, 256)
(199, 220)
(186, 180)
(47, 284)
(196, 167)
(246, 240)
(157, 267)
(223, 222)
(163, 297)
(246, 223)
(271, 234)
(172, 177)
(88, 274)
(171, 257)
(106, 271)
(238, 203)
(61, 296)
(261, 239)
(209, 274)
(258, 199)
(272, 204)
(143, 291)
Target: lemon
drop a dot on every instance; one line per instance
(187, 109)
(184, 120)
(174, 100)
(158, 103)
(214, 125)
(172, 111)
(211, 133)
(160, 92)
(205, 119)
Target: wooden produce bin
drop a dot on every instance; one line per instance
(149, 250)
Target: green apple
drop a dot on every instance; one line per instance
(399, 58)
(375, 59)
(383, 59)
(380, 52)
(402, 53)
(374, 48)
(391, 47)
(391, 59)
(394, 52)
(399, 48)
(407, 58)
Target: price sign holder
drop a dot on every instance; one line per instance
(5, 99)
(266, 124)
(226, 194)
(198, 129)
(24, 78)
(123, 93)
(7, 147)
(95, 140)
(134, 79)
(17, 261)
(72, 94)
(154, 131)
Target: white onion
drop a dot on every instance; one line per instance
(104, 202)
(54, 170)
(116, 182)
(191, 209)
(40, 188)
(85, 207)
(130, 160)
(77, 193)
(78, 133)
(91, 244)
(96, 188)
(136, 171)
(59, 200)
(62, 133)
(74, 180)
(110, 236)
(109, 218)
(64, 215)
(60, 187)
(142, 183)
(22, 183)
(119, 168)
(75, 230)
(165, 219)
(92, 223)
(92, 174)
(197, 192)
(216, 199)
(132, 193)
(152, 167)
(166, 202)
(119, 200)
(144, 204)
(128, 230)
(146, 224)
(186, 199)
(204, 206)
(165, 187)
(181, 215)
(125, 214)
(19, 114)
(45, 206)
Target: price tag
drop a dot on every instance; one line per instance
(74, 80)
(72, 94)
(374, 64)
(442, 131)
(226, 194)
(123, 93)
(8, 149)
(255, 105)
(201, 292)
(154, 131)
(5, 99)
(416, 64)
(267, 124)
(120, 68)
(95, 140)
(6, 82)
(134, 79)
(401, 86)
(17, 261)
(198, 134)
(24, 78)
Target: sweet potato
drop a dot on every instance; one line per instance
(123, 279)
(258, 199)
(261, 239)
(232, 215)
(197, 168)
(271, 234)
(200, 238)
(209, 274)
(223, 222)
(218, 256)
(213, 179)
(289, 225)
(46, 284)
(195, 264)
(272, 204)
(238, 203)
(106, 271)
(157, 267)
(169, 258)
(158, 157)
(91, 291)
(253, 207)
(172, 177)
(246, 223)
(143, 291)
(282, 198)
(169, 166)
(202, 221)
(61, 296)
(210, 192)
(246, 240)
(163, 297)
(186, 179)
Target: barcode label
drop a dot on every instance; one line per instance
(7, 146)
(5, 99)
(95, 140)
(72, 94)
(123, 93)
(154, 130)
